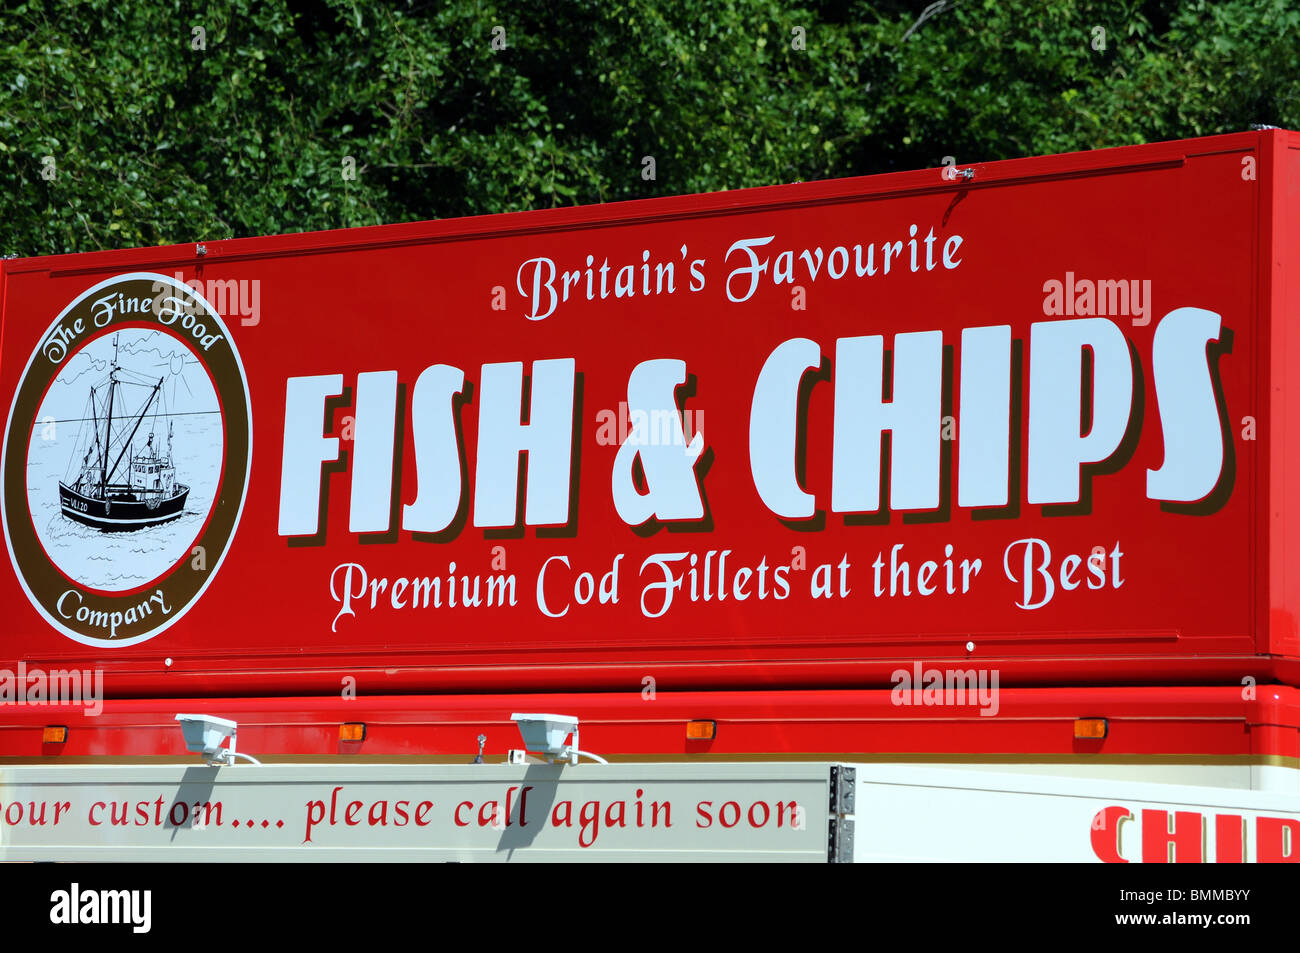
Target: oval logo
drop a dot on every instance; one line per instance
(126, 459)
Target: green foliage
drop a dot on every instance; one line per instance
(153, 141)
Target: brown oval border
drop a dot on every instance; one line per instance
(181, 585)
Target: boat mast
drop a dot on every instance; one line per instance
(138, 420)
(94, 418)
(108, 424)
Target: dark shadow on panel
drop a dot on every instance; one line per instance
(531, 805)
(195, 788)
(952, 206)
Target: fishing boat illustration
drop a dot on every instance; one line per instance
(146, 492)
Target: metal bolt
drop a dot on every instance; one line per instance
(970, 646)
(200, 250)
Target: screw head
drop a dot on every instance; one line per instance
(970, 646)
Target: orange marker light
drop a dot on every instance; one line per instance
(1091, 729)
(54, 734)
(701, 730)
(352, 731)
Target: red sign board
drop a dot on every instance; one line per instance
(778, 436)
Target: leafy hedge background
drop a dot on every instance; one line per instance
(115, 131)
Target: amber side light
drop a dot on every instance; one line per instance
(701, 730)
(1090, 729)
(54, 734)
(352, 731)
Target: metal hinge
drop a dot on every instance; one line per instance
(843, 782)
(839, 847)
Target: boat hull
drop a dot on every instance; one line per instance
(122, 510)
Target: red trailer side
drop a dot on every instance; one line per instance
(789, 459)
